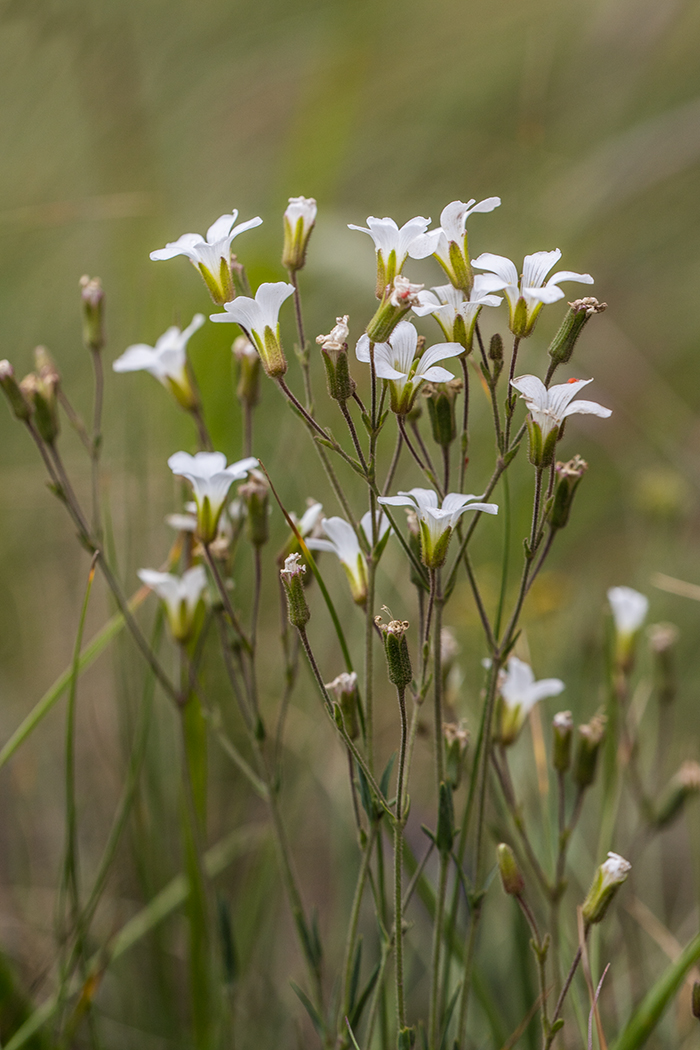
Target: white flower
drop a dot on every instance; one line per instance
(259, 317)
(527, 296)
(436, 523)
(392, 245)
(167, 361)
(548, 410)
(606, 882)
(455, 314)
(212, 256)
(181, 595)
(343, 542)
(449, 242)
(299, 219)
(210, 479)
(519, 693)
(629, 609)
(394, 361)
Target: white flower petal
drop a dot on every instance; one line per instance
(499, 265)
(221, 228)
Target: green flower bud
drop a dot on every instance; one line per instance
(254, 493)
(568, 477)
(248, 360)
(92, 297)
(580, 312)
(441, 399)
(456, 740)
(292, 576)
(21, 408)
(396, 650)
(562, 731)
(590, 737)
(606, 882)
(299, 219)
(682, 786)
(662, 642)
(511, 876)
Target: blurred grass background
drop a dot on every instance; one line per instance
(125, 124)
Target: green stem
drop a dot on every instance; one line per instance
(398, 866)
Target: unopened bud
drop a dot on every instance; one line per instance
(511, 876)
(92, 296)
(21, 408)
(662, 642)
(415, 547)
(334, 353)
(562, 732)
(299, 219)
(248, 360)
(292, 576)
(254, 492)
(590, 737)
(568, 477)
(441, 399)
(682, 786)
(344, 689)
(606, 882)
(399, 297)
(456, 740)
(496, 348)
(396, 649)
(580, 312)
(41, 391)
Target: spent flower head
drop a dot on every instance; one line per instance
(166, 361)
(526, 296)
(211, 255)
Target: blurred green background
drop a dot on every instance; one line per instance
(125, 124)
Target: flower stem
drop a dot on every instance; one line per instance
(398, 866)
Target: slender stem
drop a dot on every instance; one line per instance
(446, 468)
(430, 475)
(506, 556)
(437, 685)
(434, 1012)
(202, 430)
(464, 443)
(398, 866)
(358, 400)
(257, 587)
(506, 783)
(422, 446)
(540, 950)
(303, 352)
(247, 428)
(562, 997)
(353, 433)
(393, 465)
(553, 365)
(97, 441)
(510, 395)
(311, 422)
(75, 420)
(225, 597)
(352, 927)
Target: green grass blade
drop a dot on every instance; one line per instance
(648, 1013)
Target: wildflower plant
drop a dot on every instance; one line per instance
(472, 801)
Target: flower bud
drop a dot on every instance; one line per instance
(496, 348)
(292, 576)
(568, 477)
(511, 876)
(92, 297)
(399, 297)
(344, 689)
(580, 312)
(685, 783)
(415, 547)
(41, 389)
(299, 220)
(590, 737)
(334, 353)
(662, 642)
(396, 651)
(21, 408)
(255, 492)
(606, 882)
(562, 732)
(441, 409)
(248, 360)
(456, 740)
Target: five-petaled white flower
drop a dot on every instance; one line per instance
(527, 296)
(394, 361)
(436, 523)
(519, 693)
(212, 257)
(456, 314)
(180, 594)
(392, 245)
(299, 219)
(210, 479)
(548, 410)
(167, 361)
(259, 317)
(449, 242)
(343, 542)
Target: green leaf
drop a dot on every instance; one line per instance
(384, 782)
(366, 795)
(355, 979)
(648, 1013)
(309, 1007)
(364, 997)
(448, 1016)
